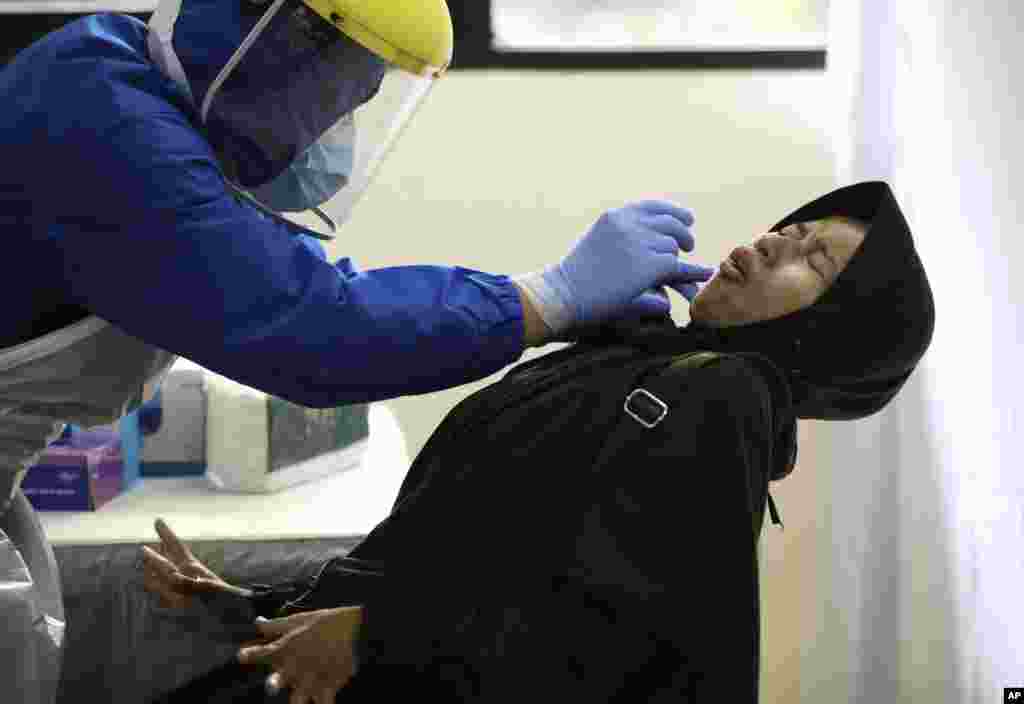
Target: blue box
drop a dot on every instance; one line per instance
(131, 449)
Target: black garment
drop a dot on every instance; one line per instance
(849, 354)
(534, 578)
(641, 586)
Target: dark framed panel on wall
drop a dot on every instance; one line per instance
(633, 34)
(590, 34)
(19, 30)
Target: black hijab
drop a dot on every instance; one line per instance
(847, 355)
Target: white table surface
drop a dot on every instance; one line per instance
(345, 504)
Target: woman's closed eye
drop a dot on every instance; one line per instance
(818, 257)
(810, 248)
(819, 267)
(824, 258)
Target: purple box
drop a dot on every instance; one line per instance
(80, 473)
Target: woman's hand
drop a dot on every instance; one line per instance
(175, 575)
(311, 653)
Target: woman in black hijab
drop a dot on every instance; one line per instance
(849, 351)
(825, 317)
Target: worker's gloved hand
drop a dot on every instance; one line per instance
(618, 268)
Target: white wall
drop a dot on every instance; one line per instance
(503, 171)
(921, 516)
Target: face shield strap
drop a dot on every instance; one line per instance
(327, 221)
(241, 193)
(159, 42)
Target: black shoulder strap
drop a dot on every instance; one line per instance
(661, 336)
(695, 360)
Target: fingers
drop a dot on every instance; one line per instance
(664, 207)
(256, 654)
(163, 569)
(304, 690)
(161, 576)
(313, 661)
(276, 633)
(326, 695)
(159, 587)
(684, 272)
(685, 278)
(653, 303)
(319, 690)
(254, 644)
(262, 639)
(300, 695)
(672, 270)
(663, 244)
(687, 291)
(159, 565)
(672, 229)
(175, 550)
(274, 684)
(287, 624)
(151, 558)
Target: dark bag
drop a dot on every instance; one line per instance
(498, 491)
(496, 456)
(502, 445)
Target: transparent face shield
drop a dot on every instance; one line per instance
(376, 127)
(307, 115)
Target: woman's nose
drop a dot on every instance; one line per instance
(768, 247)
(774, 245)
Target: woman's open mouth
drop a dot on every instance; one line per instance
(738, 264)
(731, 270)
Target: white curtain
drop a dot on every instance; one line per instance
(920, 565)
(920, 523)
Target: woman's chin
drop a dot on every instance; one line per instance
(704, 311)
(698, 311)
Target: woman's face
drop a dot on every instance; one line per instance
(782, 273)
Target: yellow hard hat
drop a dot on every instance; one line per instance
(415, 35)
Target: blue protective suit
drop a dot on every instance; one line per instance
(112, 199)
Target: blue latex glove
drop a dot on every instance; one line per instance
(618, 268)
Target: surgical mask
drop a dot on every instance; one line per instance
(316, 175)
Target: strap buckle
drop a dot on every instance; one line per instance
(645, 408)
